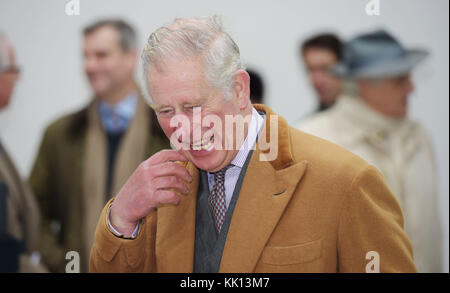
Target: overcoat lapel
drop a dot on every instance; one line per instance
(93, 178)
(260, 205)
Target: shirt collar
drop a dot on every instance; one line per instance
(116, 118)
(254, 127)
(250, 141)
(256, 123)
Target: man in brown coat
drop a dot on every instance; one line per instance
(85, 157)
(279, 200)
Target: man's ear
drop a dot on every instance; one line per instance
(241, 90)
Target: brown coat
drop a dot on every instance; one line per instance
(22, 212)
(315, 208)
(69, 177)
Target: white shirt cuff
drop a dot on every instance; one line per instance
(117, 233)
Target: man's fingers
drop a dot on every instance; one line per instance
(170, 169)
(166, 156)
(167, 197)
(170, 182)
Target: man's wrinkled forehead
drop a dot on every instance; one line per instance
(176, 73)
(182, 80)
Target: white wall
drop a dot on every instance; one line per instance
(48, 46)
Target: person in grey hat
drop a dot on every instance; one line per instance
(371, 120)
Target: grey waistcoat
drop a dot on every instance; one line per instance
(208, 244)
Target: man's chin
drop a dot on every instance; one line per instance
(205, 160)
(99, 89)
(99, 93)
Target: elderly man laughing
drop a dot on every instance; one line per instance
(221, 206)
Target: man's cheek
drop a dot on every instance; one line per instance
(168, 131)
(165, 126)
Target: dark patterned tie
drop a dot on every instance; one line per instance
(217, 198)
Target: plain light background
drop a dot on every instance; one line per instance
(48, 47)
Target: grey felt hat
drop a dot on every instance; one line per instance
(376, 55)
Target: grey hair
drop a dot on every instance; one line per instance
(196, 37)
(4, 56)
(127, 34)
(352, 86)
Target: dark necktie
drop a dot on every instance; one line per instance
(216, 200)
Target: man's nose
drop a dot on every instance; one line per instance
(318, 79)
(89, 64)
(185, 134)
(182, 125)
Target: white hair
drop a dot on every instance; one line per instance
(4, 56)
(196, 37)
